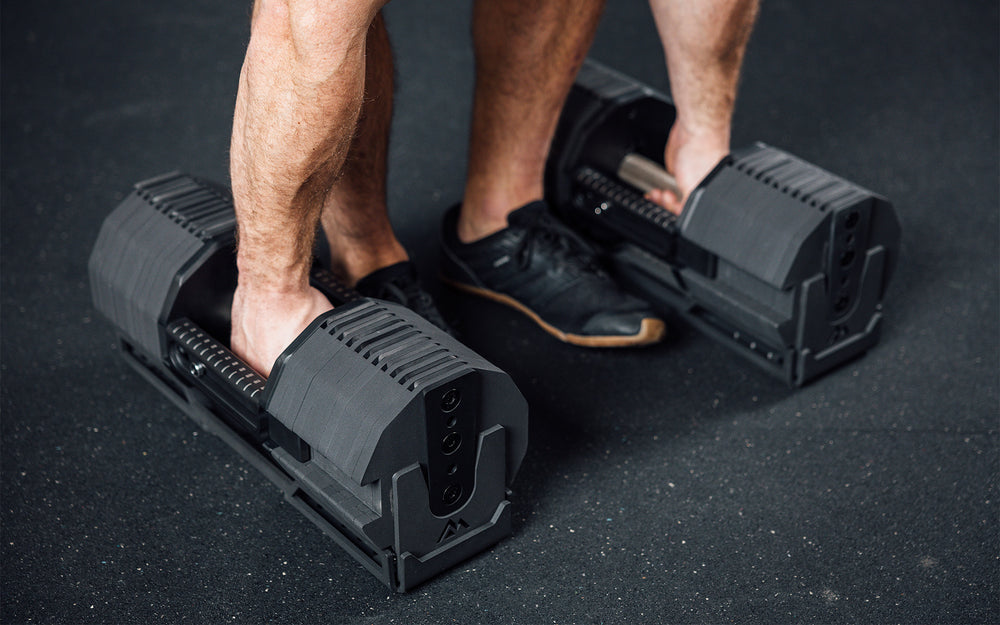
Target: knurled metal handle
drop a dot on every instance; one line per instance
(199, 353)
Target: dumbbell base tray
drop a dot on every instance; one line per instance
(659, 283)
(401, 573)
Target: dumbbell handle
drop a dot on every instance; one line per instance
(645, 174)
(203, 356)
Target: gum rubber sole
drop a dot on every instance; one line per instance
(651, 330)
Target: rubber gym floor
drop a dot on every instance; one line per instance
(674, 484)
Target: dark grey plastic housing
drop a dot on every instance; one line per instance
(394, 438)
(776, 258)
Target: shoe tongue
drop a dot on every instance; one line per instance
(527, 214)
(372, 282)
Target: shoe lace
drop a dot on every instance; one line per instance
(545, 234)
(409, 294)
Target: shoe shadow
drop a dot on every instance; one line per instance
(588, 404)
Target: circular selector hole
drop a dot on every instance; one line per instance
(180, 360)
(450, 400)
(847, 258)
(450, 443)
(842, 303)
(451, 494)
(852, 219)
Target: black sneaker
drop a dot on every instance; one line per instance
(399, 284)
(541, 268)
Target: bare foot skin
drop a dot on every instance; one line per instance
(264, 323)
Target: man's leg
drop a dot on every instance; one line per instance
(704, 43)
(364, 251)
(301, 90)
(526, 60)
(355, 218)
(503, 244)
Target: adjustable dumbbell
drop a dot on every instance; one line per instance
(394, 438)
(778, 259)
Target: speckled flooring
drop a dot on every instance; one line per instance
(665, 485)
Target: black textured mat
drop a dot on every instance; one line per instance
(666, 485)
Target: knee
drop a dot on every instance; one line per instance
(317, 32)
(308, 19)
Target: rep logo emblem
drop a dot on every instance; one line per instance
(452, 529)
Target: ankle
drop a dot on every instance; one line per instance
(473, 226)
(355, 262)
(256, 295)
(257, 278)
(484, 214)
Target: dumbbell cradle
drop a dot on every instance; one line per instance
(394, 438)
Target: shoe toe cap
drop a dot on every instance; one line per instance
(641, 326)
